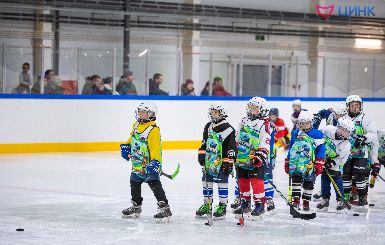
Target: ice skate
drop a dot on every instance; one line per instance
(133, 211)
(164, 213)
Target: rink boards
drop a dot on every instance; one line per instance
(49, 123)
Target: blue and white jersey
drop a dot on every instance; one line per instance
(318, 138)
(342, 147)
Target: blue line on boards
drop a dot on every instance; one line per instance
(182, 98)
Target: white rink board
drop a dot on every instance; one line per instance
(73, 120)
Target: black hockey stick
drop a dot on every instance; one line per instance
(210, 201)
(293, 211)
(337, 189)
(381, 177)
(241, 219)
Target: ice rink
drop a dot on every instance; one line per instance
(77, 198)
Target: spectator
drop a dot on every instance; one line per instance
(188, 88)
(98, 87)
(51, 86)
(154, 85)
(218, 89)
(205, 91)
(25, 80)
(109, 85)
(126, 84)
(87, 88)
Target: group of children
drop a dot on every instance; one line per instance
(344, 153)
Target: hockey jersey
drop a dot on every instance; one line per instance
(219, 143)
(336, 150)
(317, 136)
(252, 134)
(365, 126)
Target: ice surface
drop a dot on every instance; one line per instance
(77, 198)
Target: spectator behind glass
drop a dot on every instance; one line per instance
(98, 87)
(188, 88)
(50, 86)
(109, 86)
(205, 91)
(218, 89)
(126, 84)
(154, 85)
(87, 88)
(25, 80)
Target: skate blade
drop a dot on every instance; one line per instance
(163, 220)
(219, 218)
(271, 212)
(245, 215)
(343, 211)
(256, 218)
(322, 210)
(199, 217)
(131, 216)
(360, 209)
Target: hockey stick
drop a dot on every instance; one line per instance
(209, 215)
(293, 211)
(241, 219)
(173, 175)
(337, 189)
(170, 176)
(381, 177)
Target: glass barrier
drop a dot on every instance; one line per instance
(188, 73)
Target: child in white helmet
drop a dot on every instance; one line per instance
(144, 150)
(364, 153)
(254, 139)
(216, 156)
(305, 159)
(337, 152)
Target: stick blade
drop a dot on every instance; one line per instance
(306, 216)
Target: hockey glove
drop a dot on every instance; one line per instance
(201, 156)
(319, 166)
(360, 141)
(153, 167)
(329, 164)
(125, 150)
(287, 165)
(259, 157)
(375, 169)
(227, 166)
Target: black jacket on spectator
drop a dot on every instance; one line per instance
(105, 91)
(205, 92)
(154, 89)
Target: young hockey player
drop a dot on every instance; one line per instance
(297, 108)
(252, 156)
(281, 133)
(216, 156)
(305, 159)
(144, 150)
(278, 128)
(331, 115)
(337, 152)
(364, 153)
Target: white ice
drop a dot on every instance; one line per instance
(77, 198)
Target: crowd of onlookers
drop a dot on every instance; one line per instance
(95, 85)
